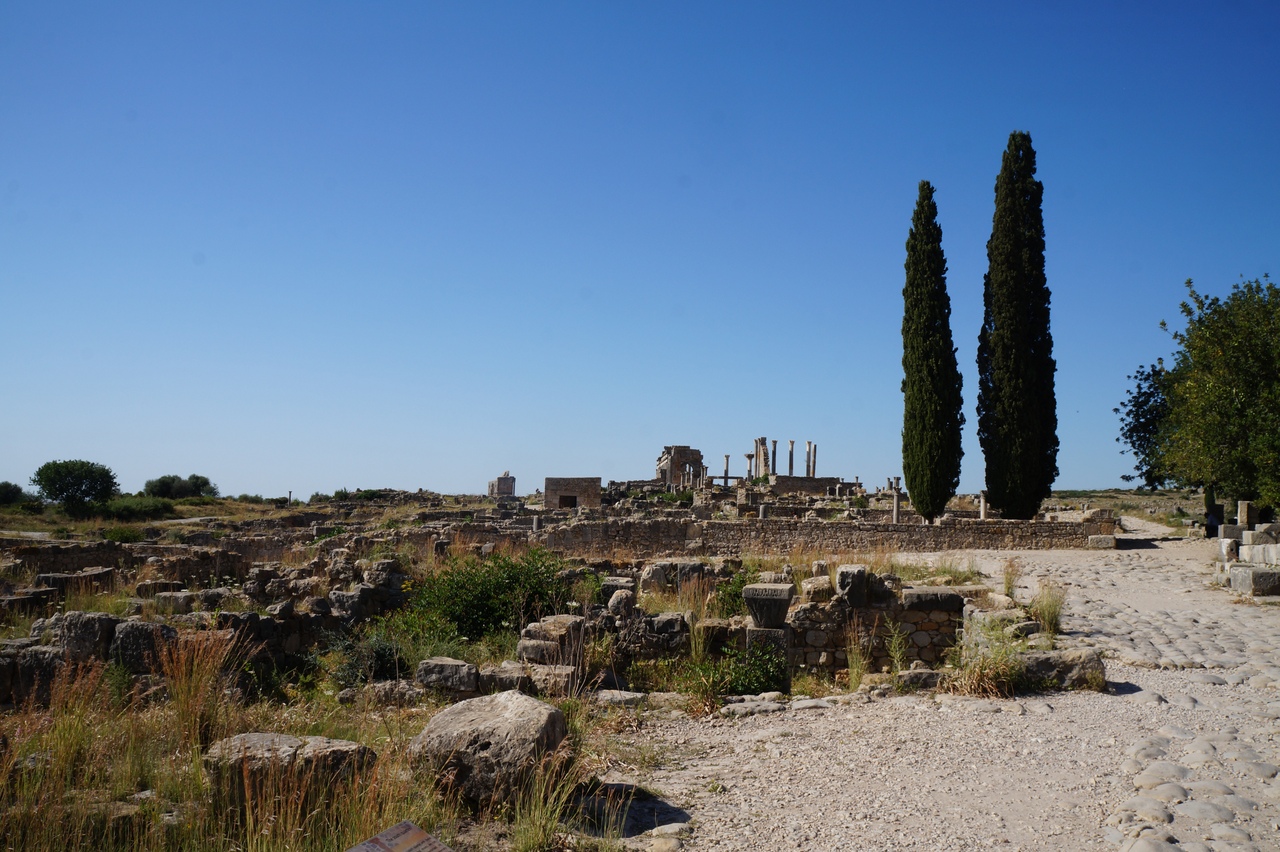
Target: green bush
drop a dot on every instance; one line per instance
(250, 498)
(728, 601)
(174, 487)
(136, 509)
(124, 535)
(761, 668)
(11, 493)
(483, 596)
(369, 657)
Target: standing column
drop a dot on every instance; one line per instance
(726, 470)
(814, 472)
(774, 471)
(750, 457)
(791, 459)
(897, 503)
(982, 505)
(808, 454)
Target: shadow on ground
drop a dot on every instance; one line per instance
(604, 804)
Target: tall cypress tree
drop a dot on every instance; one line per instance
(1017, 410)
(932, 414)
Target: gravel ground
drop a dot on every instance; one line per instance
(1181, 755)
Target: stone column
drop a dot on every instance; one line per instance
(897, 504)
(982, 505)
(808, 458)
(726, 470)
(791, 459)
(774, 471)
(750, 457)
(814, 463)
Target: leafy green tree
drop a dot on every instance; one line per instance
(932, 404)
(1143, 416)
(11, 492)
(75, 484)
(1222, 427)
(1017, 408)
(174, 487)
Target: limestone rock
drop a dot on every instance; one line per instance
(1076, 669)
(258, 763)
(484, 748)
(137, 645)
(448, 674)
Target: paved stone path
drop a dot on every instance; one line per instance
(1182, 756)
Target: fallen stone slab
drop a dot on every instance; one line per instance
(1249, 579)
(250, 766)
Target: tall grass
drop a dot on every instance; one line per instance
(196, 668)
(1011, 574)
(1047, 605)
(985, 662)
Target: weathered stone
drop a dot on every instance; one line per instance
(1102, 542)
(265, 764)
(669, 622)
(851, 583)
(768, 603)
(449, 675)
(932, 597)
(1255, 579)
(1075, 669)
(622, 603)
(653, 579)
(554, 681)
(505, 676)
(137, 645)
(538, 651)
(150, 588)
(486, 747)
(816, 589)
(175, 602)
(394, 693)
(84, 636)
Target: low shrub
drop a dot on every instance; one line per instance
(761, 668)
(11, 493)
(137, 509)
(123, 535)
(986, 662)
(479, 596)
(370, 657)
(728, 600)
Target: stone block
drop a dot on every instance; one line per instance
(1228, 549)
(610, 585)
(1235, 531)
(768, 603)
(505, 676)
(816, 590)
(932, 598)
(450, 675)
(851, 583)
(538, 651)
(554, 681)
(1102, 542)
(1255, 579)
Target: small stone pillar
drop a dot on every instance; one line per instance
(791, 459)
(897, 504)
(813, 464)
(750, 475)
(1246, 514)
(808, 450)
(774, 470)
(763, 511)
(768, 604)
(726, 470)
(982, 505)
(537, 522)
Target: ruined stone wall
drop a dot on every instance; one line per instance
(650, 538)
(70, 557)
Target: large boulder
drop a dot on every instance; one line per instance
(1077, 669)
(486, 747)
(137, 644)
(264, 764)
(84, 636)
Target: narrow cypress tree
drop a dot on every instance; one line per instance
(932, 414)
(1017, 410)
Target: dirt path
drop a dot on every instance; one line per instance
(1182, 756)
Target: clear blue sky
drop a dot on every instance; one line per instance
(304, 246)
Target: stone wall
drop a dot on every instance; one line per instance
(667, 537)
